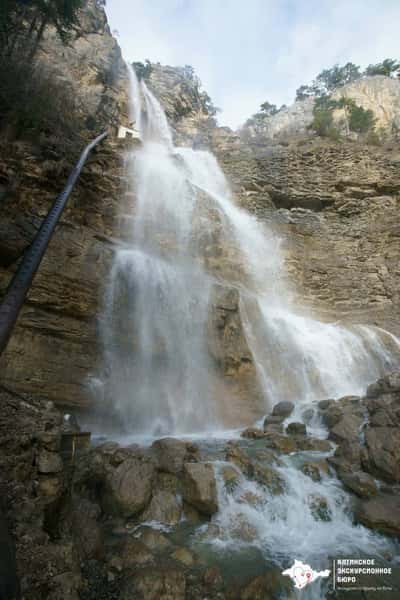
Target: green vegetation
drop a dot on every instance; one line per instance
(322, 122)
(188, 73)
(266, 110)
(143, 70)
(357, 119)
(388, 67)
(331, 79)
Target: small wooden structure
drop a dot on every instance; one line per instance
(74, 442)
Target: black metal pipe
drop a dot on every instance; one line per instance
(22, 280)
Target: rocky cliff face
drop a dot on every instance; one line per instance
(54, 348)
(378, 93)
(184, 103)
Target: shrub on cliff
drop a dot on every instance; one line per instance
(361, 120)
(387, 67)
(142, 70)
(322, 122)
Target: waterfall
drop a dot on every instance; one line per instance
(160, 376)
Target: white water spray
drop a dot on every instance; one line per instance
(161, 378)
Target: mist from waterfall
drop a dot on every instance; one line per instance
(156, 324)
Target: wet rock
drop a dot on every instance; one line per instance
(127, 487)
(319, 508)
(384, 410)
(49, 462)
(325, 404)
(230, 476)
(381, 513)
(253, 433)
(308, 444)
(155, 584)
(283, 409)
(360, 483)
(251, 498)
(296, 429)
(171, 454)
(388, 384)
(243, 530)
(383, 445)
(267, 476)
(273, 423)
(311, 470)
(238, 456)
(184, 556)
(333, 411)
(281, 443)
(164, 508)
(347, 429)
(199, 487)
(308, 415)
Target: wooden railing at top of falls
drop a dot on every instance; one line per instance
(22, 280)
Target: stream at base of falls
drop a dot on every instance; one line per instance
(162, 382)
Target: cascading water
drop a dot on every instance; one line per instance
(155, 332)
(161, 377)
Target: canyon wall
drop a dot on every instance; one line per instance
(54, 349)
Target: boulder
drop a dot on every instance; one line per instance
(381, 513)
(127, 487)
(308, 444)
(360, 483)
(296, 429)
(154, 539)
(347, 429)
(383, 445)
(283, 409)
(155, 584)
(199, 487)
(231, 477)
(388, 384)
(135, 553)
(311, 470)
(164, 508)
(171, 454)
(319, 507)
(281, 443)
(384, 410)
(253, 433)
(269, 477)
(273, 422)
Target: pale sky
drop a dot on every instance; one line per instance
(249, 51)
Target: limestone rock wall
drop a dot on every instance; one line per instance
(379, 93)
(55, 346)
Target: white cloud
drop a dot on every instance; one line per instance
(257, 50)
